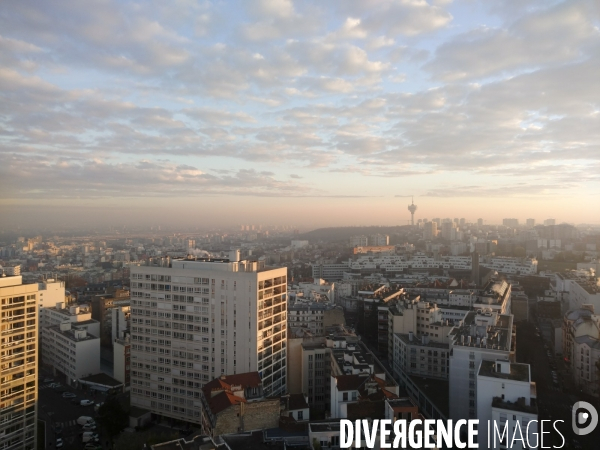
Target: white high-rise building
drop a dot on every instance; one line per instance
(195, 319)
(484, 335)
(507, 400)
(19, 349)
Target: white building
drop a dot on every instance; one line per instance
(71, 350)
(299, 244)
(194, 319)
(379, 240)
(329, 271)
(484, 335)
(51, 292)
(319, 291)
(359, 241)
(506, 397)
(120, 316)
(80, 315)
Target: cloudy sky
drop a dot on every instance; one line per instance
(327, 112)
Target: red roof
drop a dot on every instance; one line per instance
(223, 401)
(219, 393)
(245, 380)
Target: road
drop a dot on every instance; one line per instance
(59, 412)
(554, 400)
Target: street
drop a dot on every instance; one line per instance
(554, 400)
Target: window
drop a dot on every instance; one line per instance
(345, 397)
(300, 415)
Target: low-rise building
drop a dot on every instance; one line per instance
(236, 403)
(419, 356)
(314, 316)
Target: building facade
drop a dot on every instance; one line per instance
(195, 319)
(19, 351)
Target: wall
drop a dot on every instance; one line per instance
(248, 416)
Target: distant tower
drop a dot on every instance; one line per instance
(412, 208)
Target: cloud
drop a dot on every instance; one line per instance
(563, 33)
(115, 97)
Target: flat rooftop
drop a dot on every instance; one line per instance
(437, 391)
(518, 372)
(417, 341)
(70, 334)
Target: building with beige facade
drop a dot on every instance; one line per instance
(19, 354)
(195, 319)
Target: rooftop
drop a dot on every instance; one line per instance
(70, 334)
(519, 405)
(102, 379)
(518, 372)
(418, 341)
(436, 391)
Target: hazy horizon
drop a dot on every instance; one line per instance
(307, 113)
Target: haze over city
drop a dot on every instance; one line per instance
(259, 224)
(312, 113)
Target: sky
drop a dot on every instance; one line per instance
(314, 113)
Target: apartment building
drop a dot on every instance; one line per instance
(419, 357)
(581, 347)
(195, 319)
(483, 335)
(102, 311)
(122, 361)
(507, 397)
(314, 317)
(76, 314)
(429, 231)
(329, 271)
(71, 350)
(410, 315)
(19, 353)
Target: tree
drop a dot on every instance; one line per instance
(112, 417)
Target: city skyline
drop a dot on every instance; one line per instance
(211, 112)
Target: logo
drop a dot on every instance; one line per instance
(584, 418)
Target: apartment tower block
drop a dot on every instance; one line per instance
(195, 319)
(19, 351)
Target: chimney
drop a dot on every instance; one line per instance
(411, 336)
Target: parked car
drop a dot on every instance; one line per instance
(85, 420)
(86, 402)
(59, 443)
(68, 395)
(92, 446)
(89, 426)
(54, 385)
